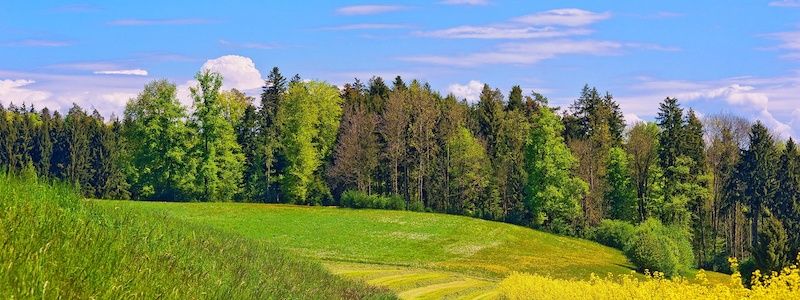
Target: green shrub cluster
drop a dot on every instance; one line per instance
(613, 233)
(650, 245)
(656, 247)
(356, 199)
(56, 245)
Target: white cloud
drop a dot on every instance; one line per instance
(790, 41)
(771, 100)
(522, 53)
(564, 17)
(366, 26)
(465, 2)
(238, 72)
(15, 91)
(37, 43)
(135, 72)
(632, 119)
(785, 3)
(470, 91)
(153, 22)
(502, 32)
(368, 9)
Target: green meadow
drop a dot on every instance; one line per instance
(56, 245)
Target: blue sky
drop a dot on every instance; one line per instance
(738, 57)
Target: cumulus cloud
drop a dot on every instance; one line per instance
(16, 91)
(136, 72)
(238, 72)
(368, 9)
(563, 17)
(470, 91)
(632, 119)
(770, 100)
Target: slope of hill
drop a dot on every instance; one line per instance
(415, 254)
(56, 246)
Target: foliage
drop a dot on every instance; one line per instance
(357, 199)
(613, 233)
(309, 115)
(553, 193)
(620, 194)
(655, 247)
(470, 172)
(58, 246)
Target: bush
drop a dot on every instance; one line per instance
(356, 199)
(656, 247)
(613, 233)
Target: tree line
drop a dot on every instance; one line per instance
(729, 184)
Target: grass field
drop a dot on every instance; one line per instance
(417, 255)
(55, 245)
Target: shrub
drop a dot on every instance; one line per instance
(613, 233)
(656, 247)
(356, 199)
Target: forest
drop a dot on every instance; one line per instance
(699, 189)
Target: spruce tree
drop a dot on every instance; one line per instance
(759, 169)
(515, 99)
(269, 129)
(786, 205)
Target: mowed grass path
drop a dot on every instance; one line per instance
(418, 255)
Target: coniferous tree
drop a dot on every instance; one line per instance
(670, 120)
(515, 99)
(42, 149)
(253, 176)
(269, 128)
(758, 168)
(786, 206)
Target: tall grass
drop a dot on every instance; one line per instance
(55, 245)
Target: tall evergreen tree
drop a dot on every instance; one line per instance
(253, 176)
(670, 120)
(269, 133)
(515, 99)
(758, 174)
(786, 205)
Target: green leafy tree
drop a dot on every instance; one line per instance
(470, 174)
(309, 114)
(642, 146)
(219, 157)
(620, 193)
(158, 143)
(553, 194)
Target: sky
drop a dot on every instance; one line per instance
(737, 57)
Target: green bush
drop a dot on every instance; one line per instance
(656, 247)
(613, 233)
(356, 199)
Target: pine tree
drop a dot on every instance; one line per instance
(253, 177)
(515, 99)
(670, 120)
(786, 205)
(269, 129)
(42, 149)
(758, 174)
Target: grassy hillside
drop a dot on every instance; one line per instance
(415, 254)
(54, 245)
